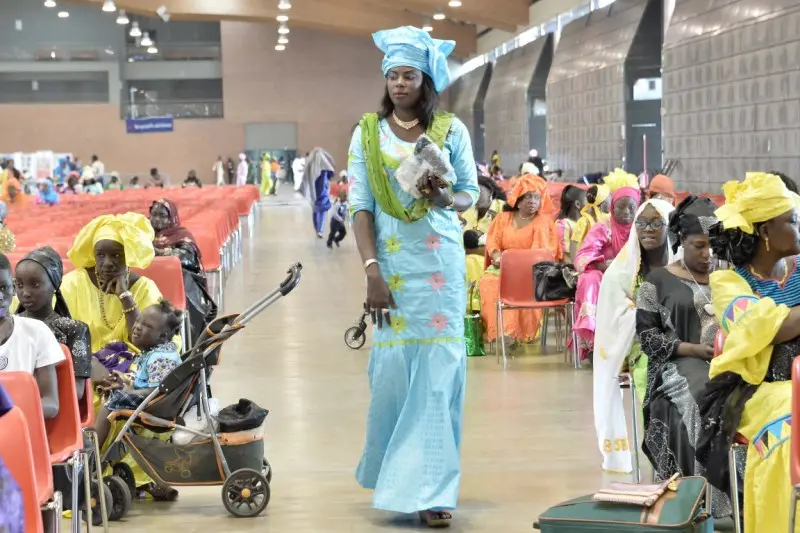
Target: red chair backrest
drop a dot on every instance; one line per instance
(719, 342)
(15, 449)
(167, 274)
(516, 274)
(64, 431)
(794, 467)
(24, 391)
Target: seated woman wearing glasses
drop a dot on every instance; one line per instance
(615, 344)
(676, 326)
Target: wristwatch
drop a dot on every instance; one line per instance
(126, 294)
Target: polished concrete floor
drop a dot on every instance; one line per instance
(528, 432)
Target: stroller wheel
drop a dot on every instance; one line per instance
(124, 472)
(266, 470)
(354, 338)
(121, 499)
(97, 518)
(245, 493)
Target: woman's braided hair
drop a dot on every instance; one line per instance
(734, 245)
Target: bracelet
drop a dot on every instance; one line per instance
(129, 310)
(126, 294)
(451, 203)
(369, 262)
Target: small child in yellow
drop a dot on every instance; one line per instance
(475, 262)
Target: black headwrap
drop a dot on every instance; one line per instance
(50, 261)
(693, 216)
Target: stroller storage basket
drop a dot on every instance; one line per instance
(195, 463)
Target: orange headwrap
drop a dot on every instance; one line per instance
(660, 184)
(531, 183)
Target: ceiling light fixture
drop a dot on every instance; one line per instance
(282, 18)
(63, 14)
(427, 26)
(152, 50)
(122, 18)
(284, 5)
(283, 30)
(439, 16)
(49, 3)
(135, 31)
(280, 47)
(146, 40)
(283, 40)
(454, 3)
(109, 7)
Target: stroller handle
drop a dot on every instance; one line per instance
(292, 280)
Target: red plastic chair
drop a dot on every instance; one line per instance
(517, 291)
(15, 449)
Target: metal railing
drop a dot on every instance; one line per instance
(183, 109)
(59, 52)
(176, 52)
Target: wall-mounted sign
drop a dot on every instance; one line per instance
(150, 125)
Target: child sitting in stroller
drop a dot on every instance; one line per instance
(152, 334)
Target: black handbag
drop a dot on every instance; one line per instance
(241, 416)
(553, 281)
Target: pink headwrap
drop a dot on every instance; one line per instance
(621, 232)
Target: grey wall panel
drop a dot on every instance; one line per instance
(586, 89)
(270, 136)
(506, 105)
(731, 89)
(464, 96)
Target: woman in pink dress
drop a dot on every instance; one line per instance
(598, 250)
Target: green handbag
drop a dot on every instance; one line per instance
(473, 327)
(679, 511)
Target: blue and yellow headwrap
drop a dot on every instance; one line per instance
(408, 46)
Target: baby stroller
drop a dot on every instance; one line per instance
(234, 460)
(356, 336)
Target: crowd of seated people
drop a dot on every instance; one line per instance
(650, 303)
(116, 326)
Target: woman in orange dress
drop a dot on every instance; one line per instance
(12, 193)
(526, 222)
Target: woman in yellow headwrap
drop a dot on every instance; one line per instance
(102, 291)
(525, 223)
(106, 295)
(757, 305)
(598, 198)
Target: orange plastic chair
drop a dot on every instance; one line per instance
(517, 290)
(794, 467)
(15, 449)
(23, 389)
(65, 435)
(167, 274)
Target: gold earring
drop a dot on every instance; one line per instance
(766, 242)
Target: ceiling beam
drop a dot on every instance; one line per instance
(355, 17)
(504, 15)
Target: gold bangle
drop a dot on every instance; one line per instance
(129, 310)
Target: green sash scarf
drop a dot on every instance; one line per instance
(379, 180)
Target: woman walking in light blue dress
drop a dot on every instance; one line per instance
(414, 261)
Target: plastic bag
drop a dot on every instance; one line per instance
(427, 158)
(196, 421)
(241, 416)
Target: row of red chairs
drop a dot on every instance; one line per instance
(30, 446)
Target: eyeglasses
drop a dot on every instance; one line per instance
(654, 224)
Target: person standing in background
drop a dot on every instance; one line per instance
(230, 170)
(241, 171)
(98, 167)
(298, 166)
(219, 171)
(317, 175)
(338, 226)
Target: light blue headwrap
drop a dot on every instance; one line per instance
(408, 46)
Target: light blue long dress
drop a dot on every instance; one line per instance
(417, 367)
